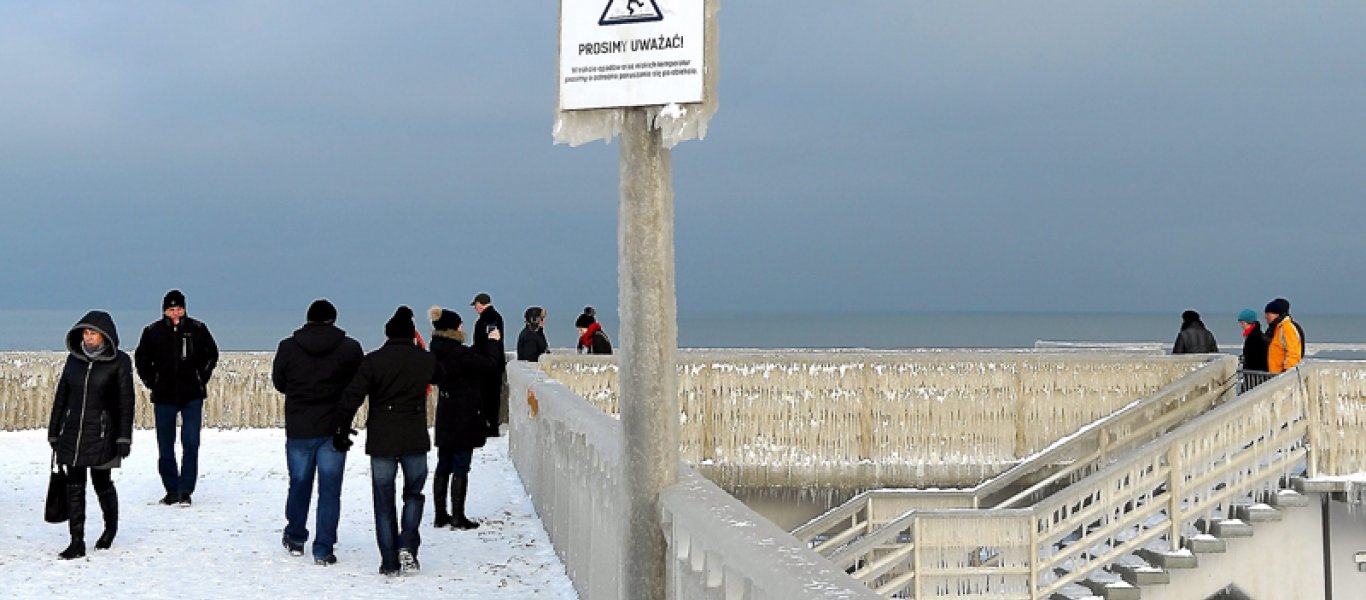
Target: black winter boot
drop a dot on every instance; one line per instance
(109, 505)
(443, 519)
(459, 487)
(75, 495)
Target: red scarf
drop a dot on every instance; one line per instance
(586, 340)
(1248, 329)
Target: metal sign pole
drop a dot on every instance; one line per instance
(649, 335)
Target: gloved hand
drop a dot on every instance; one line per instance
(124, 448)
(341, 440)
(52, 443)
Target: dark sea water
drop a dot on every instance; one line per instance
(261, 330)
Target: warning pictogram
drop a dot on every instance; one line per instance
(621, 12)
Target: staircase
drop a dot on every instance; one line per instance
(1155, 510)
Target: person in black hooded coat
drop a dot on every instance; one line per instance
(460, 424)
(1194, 337)
(91, 426)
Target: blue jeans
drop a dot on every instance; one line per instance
(179, 480)
(383, 471)
(306, 456)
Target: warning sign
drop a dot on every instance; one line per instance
(621, 12)
(616, 53)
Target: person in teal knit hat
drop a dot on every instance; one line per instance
(1254, 343)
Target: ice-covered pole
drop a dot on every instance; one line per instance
(649, 342)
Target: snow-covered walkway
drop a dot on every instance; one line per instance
(227, 545)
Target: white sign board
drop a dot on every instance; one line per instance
(617, 53)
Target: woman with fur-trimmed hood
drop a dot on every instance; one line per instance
(459, 423)
(91, 426)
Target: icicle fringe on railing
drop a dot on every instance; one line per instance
(241, 395)
(851, 419)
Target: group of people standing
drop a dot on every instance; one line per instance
(1280, 348)
(325, 378)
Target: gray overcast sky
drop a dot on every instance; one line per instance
(875, 155)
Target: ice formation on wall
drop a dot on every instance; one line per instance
(879, 418)
(240, 393)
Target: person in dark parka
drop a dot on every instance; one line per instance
(531, 343)
(175, 358)
(592, 339)
(1194, 337)
(492, 391)
(395, 379)
(1254, 341)
(91, 426)
(311, 369)
(459, 424)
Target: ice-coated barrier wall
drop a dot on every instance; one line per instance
(569, 456)
(240, 392)
(1338, 391)
(865, 419)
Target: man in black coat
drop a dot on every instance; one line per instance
(492, 393)
(531, 343)
(312, 368)
(175, 359)
(1194, 337)
(395, 379)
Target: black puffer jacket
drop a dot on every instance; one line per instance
(311, 369)
(93, 408)
(1194, 339)
(459, 422)
(395, 379)
(176, 361)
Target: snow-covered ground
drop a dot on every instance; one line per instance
(227, 545)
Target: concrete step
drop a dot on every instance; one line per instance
(1181, 559)
(1310, 486)
(1287, 498)
(1256, 513)
(1205, 544)
(1231, 528)
(1116, 589)
(1142, 575)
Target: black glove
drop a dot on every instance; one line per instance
(341, 440)
(52, 443)
(124, 448)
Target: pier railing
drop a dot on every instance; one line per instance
(1063, 462)
(1158, 492)
(569, 455)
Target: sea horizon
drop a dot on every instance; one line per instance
(258, 330)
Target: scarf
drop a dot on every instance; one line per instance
(92, 351)
(586, 340)
(1248, 330)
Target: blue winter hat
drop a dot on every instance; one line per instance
(1247, 316)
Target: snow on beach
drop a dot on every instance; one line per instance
(227, 545)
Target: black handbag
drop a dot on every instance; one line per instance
(57, 508)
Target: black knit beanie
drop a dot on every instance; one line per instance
(173, 299)
(400, 326)
(444, 320)
(1279, 306)
(585, 319)
(1190, 316)
(322, 311)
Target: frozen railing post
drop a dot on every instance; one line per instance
(646, 72)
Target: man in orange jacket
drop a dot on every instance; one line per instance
(1287, 346)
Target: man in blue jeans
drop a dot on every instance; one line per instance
(312, 367)
(395, 378)
(175, 359)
